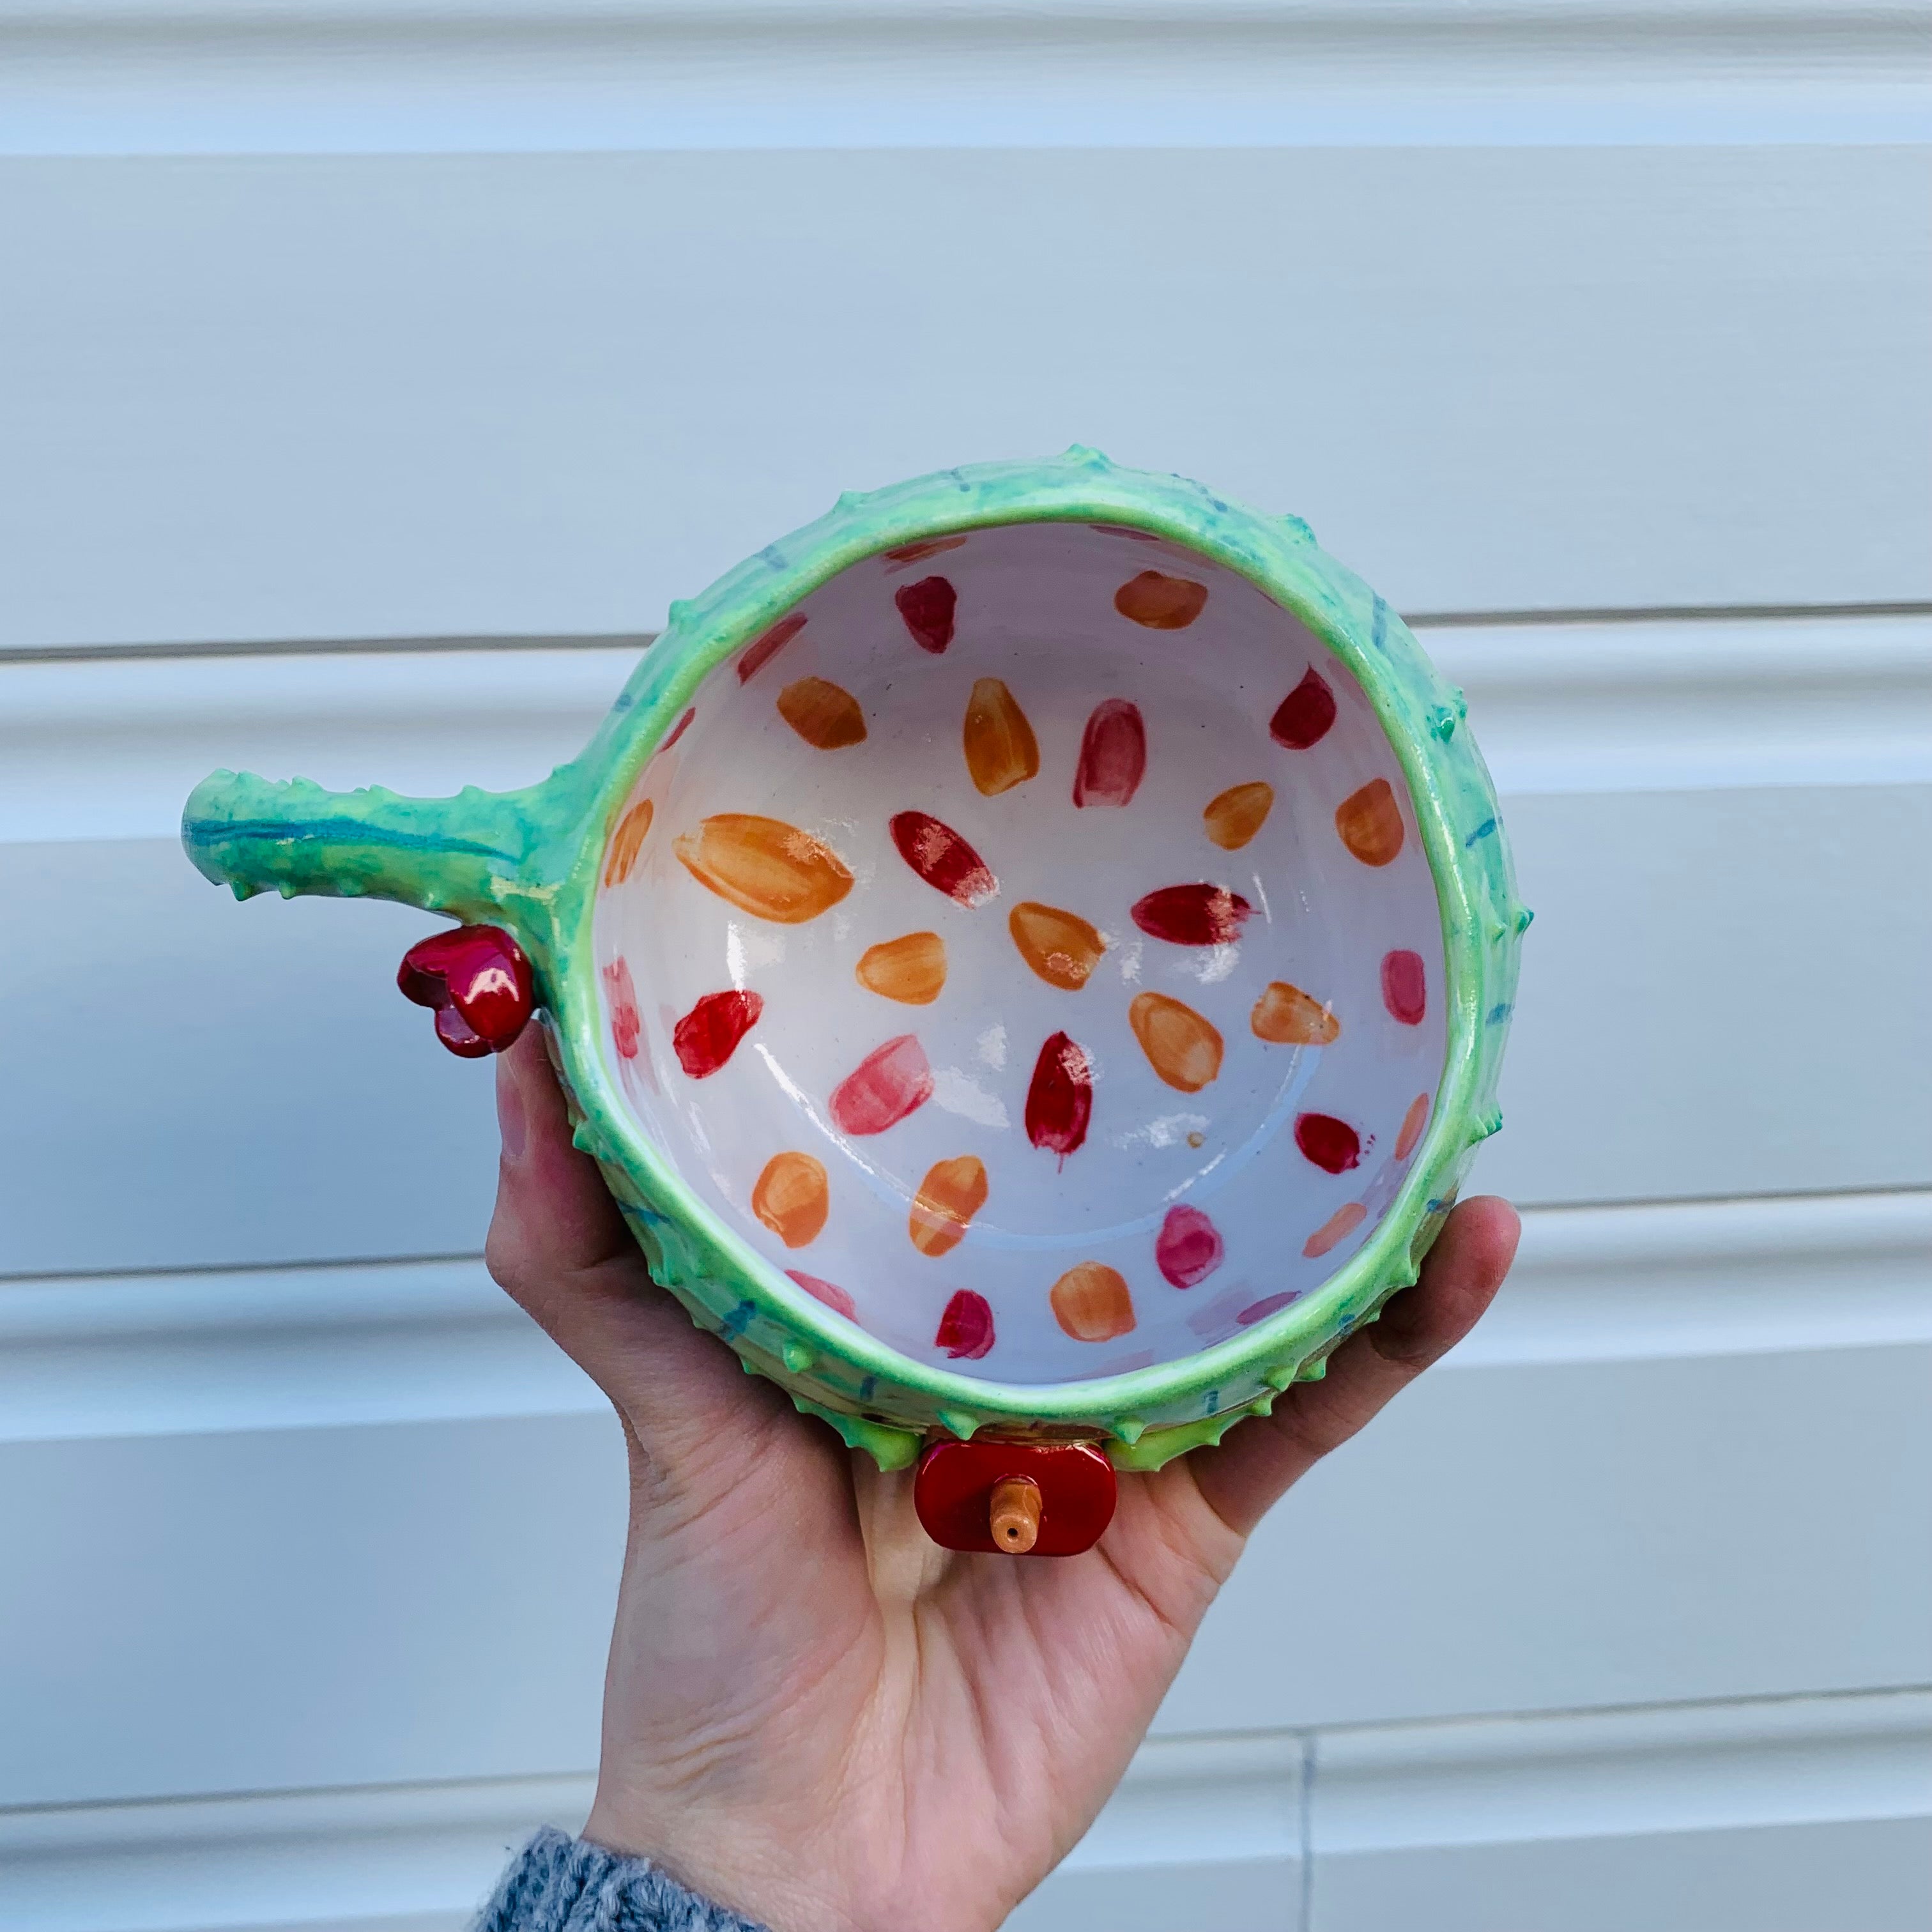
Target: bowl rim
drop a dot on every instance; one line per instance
(1454, 808)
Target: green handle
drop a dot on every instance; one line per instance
(470, 856)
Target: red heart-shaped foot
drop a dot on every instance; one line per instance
(1025, 1499)
(477, 982)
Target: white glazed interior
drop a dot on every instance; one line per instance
(1036, 610)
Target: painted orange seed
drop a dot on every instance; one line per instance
(765, 867)
(824, 714)
(791, 1197)
(1235, 815)
(910, 969)
(1001, 751)
(1413, 1122)
(1060, 947)
(1285, 1015)
(1091, 1303)
(1370, 823)
(1161, 602)
(951, 1193)
(627, 842)
(1338, 1226)
(1181, 1046)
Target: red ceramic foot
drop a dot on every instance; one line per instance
(477, 982)
(962, 1487)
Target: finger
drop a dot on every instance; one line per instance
(1260, 1459)
(555, 1222)
(559, 1247)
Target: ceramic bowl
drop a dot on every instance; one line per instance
(1031, 953)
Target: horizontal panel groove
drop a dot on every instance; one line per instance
(1676, 1768)
(234, 1816)
(1201, 1809)
(998, 19)
(112, 76)
(109, 748)
(1188, 1808)
(1421, 621)
(411, 1343)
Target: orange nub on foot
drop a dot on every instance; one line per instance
(910, 969)
(764, 866)
(1285, 1015)
(1001, 751)
(1370, 823)
(1235, 816)
(1091, 1303)
(825, 715)
(1060, 947)
(791, 1197)
(1181, 1046)
(1014, 1514)
(951, 1193)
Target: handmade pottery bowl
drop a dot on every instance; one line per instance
(1031, 953)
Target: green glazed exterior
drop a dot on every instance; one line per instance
(529, 861)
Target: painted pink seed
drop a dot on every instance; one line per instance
(892, 1082)
(1405, 987)
(834, 1297)
(625, 1025)
(1113, 754)
(1271, 1304)
(1188, 1248)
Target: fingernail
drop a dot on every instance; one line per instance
(512, 1122)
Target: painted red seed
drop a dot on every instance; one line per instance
(943, 859)
(1303, 716)
(1405, 987)
(760, 654)
(1113, 754)
(966, 1328)
(927, 608)
(1199, 915)
(1060, 1097)
(678, 730)
(709, 1034)
(1333, 1145)
(1188, 1248)
(892, 1082)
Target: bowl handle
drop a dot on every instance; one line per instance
(470, 856)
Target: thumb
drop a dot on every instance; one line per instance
(559, 1247)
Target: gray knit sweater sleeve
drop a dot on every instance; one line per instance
(559, 1884)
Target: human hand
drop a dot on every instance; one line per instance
(813, 1715)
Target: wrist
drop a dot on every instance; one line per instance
(560, 1884)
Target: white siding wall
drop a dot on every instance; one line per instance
(1595, 335)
